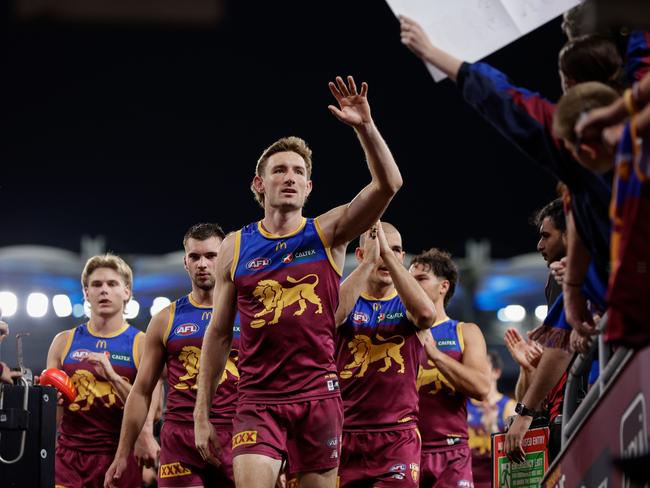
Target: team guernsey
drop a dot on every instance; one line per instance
(287, 294)
(443, 411)
(378, 354)
(480, 436)
(92, 421)
(180, 462)
(187, 325)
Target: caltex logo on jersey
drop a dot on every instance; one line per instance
(287, 258)
(186, 329)
(360, 318)
(257, 263)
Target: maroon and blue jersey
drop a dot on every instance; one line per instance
(287, 294)
(378, 355)
(629, 285)
(183, 339)
(525, 118)
(92, 421)
(443, 410)
(480, 436)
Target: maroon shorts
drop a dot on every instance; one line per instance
(445, 467)
(81, 469)
(381, 459)
(182, 465)
(306, 434)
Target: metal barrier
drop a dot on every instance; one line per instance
(574, 415)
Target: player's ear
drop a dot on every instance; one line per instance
(358, 253)
(310, 187)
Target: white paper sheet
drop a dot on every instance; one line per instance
(472, 29)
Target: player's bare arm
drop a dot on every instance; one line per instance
(577, 263)
(470, 375)
(355, 284)
(55, 360)
(419, 307)
(342, 224)
(138, 410)
(414, 37)
(215, 350)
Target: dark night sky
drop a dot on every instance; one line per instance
(138, 132)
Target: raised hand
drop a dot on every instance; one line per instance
(371, 249)
(353, 108)
(413, 36)
(524, 353)
(558, 268)
(103, 366)
(592, 125)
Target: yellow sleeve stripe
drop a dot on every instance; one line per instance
(68, 343)
(172, 313)
(235, 259)
(136, 352)
(328, 250)
(459, 332)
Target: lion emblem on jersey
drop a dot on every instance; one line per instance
(275, 298)
(231, 367)
(365, 352)
(89, 388)
(433, 376)
(190, 357)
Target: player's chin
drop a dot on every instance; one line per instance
(205, 284)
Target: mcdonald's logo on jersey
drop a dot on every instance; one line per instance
(100, 344)
(206, 316)
(280, 246)
(376, 307)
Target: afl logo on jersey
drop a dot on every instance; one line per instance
(79, 354)
(186, 329)
(257, 263)
(360, 318)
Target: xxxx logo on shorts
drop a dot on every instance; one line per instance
(173, 470)
(244, 438)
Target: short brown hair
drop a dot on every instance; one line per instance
(110, 261)
(441, 265)
(203, 231)
(592, 58)
(577, 100)
(291, 143)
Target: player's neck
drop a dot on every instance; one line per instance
(202, 297)
(441, 314)
(106, 325)
(280, 222)
(379, 290)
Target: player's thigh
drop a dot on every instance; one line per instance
(318, 479)
(256, 470)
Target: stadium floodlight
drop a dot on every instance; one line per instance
(37, 304)
(78, 310)
(62, 305)
(541, 312)
(511, 313)
(158, 304)
(132, 309)
(8, 303)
